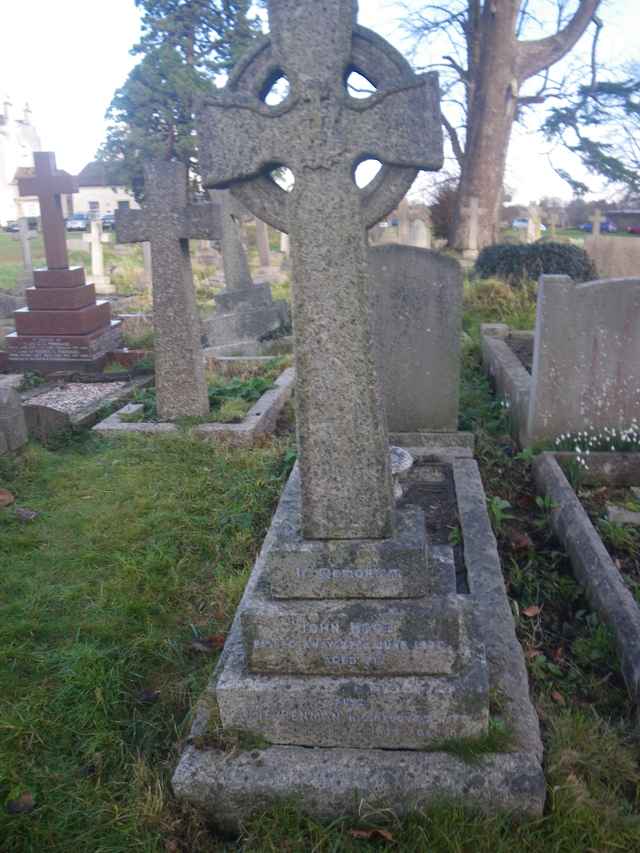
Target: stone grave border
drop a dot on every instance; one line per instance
(85, 417)
(512, 380)
(257, 778)
(260, 419)
(592, 565)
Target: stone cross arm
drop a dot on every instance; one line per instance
(48, 180)
(399, 126)
(197, 221)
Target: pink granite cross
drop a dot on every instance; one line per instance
(49, 184)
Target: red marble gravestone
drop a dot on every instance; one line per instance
(63, 326)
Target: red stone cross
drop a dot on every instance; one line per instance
(48, 184)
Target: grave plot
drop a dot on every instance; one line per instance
(57, 407)
(598, 524)
(581, 367)
(245, 403)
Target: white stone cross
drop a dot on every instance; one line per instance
(597, 219)
(96, 237)
(473, 212)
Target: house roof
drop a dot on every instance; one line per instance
(100, 174)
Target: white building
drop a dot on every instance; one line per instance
(18, 140)
(96, 194)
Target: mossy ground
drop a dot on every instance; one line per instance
(114, 603)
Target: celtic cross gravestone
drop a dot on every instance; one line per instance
(321, 133)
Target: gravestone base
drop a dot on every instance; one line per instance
(51, 353)
(103, 284)
(246, 324)
(331, 742)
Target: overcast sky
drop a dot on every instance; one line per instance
(67, 57)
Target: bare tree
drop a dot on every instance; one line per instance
(487, 67)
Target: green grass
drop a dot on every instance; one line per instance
(139, 548)
(143, 545)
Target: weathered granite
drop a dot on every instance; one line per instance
(13, 427)
(417, 307)
(593, 567)
(331, 780)
(586, 359)
(167, 221)
(342, 442)
(354, 568)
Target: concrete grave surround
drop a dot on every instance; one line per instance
(592, 564)
(586, 364)
(417, 307)
(168, 221)
(260, 420)
(63, 326)
(13, 427)
(352, 636)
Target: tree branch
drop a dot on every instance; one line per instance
(455, 140)
(535, 56)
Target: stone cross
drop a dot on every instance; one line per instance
(473, 212)
(49, 184)
(597, 219)
(146, 263)
(322, 133)
(96, 238)
(237, 275)
(284, 243)
(262, 241)
(533, 223)
(404, 223)
(167, 221)
(553, 224)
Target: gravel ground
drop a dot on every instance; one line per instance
(75, 396)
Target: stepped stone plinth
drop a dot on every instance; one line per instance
(63, 327)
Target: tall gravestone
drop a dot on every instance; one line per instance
(346, 640)
(245, 311)
(167, 221)
(63, 326)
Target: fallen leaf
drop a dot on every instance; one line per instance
(558, 654)
(372, 834)
(25, 514)
(533, 653)
(147, 696)
(558, 697)
(23, 805)
(171, 846)
(206, 645)
(531, 611)
(520, 541)
(6, 498)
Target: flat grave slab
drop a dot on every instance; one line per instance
(593, 566)
(260, 420)
(54, 408)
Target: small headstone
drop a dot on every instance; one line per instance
(596, 222)
(404, 223)
(13, 427)
(420, 234)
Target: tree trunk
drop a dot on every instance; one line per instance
(499, 64)
(492, 110)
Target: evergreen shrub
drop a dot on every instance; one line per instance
(522, 262)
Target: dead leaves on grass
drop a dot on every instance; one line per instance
(372, 835)
(6, 498)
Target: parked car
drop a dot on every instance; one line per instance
(606, 227)
(78, 222)
(524, 223)
(108, 221)
(633, 229)
(11, 227)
